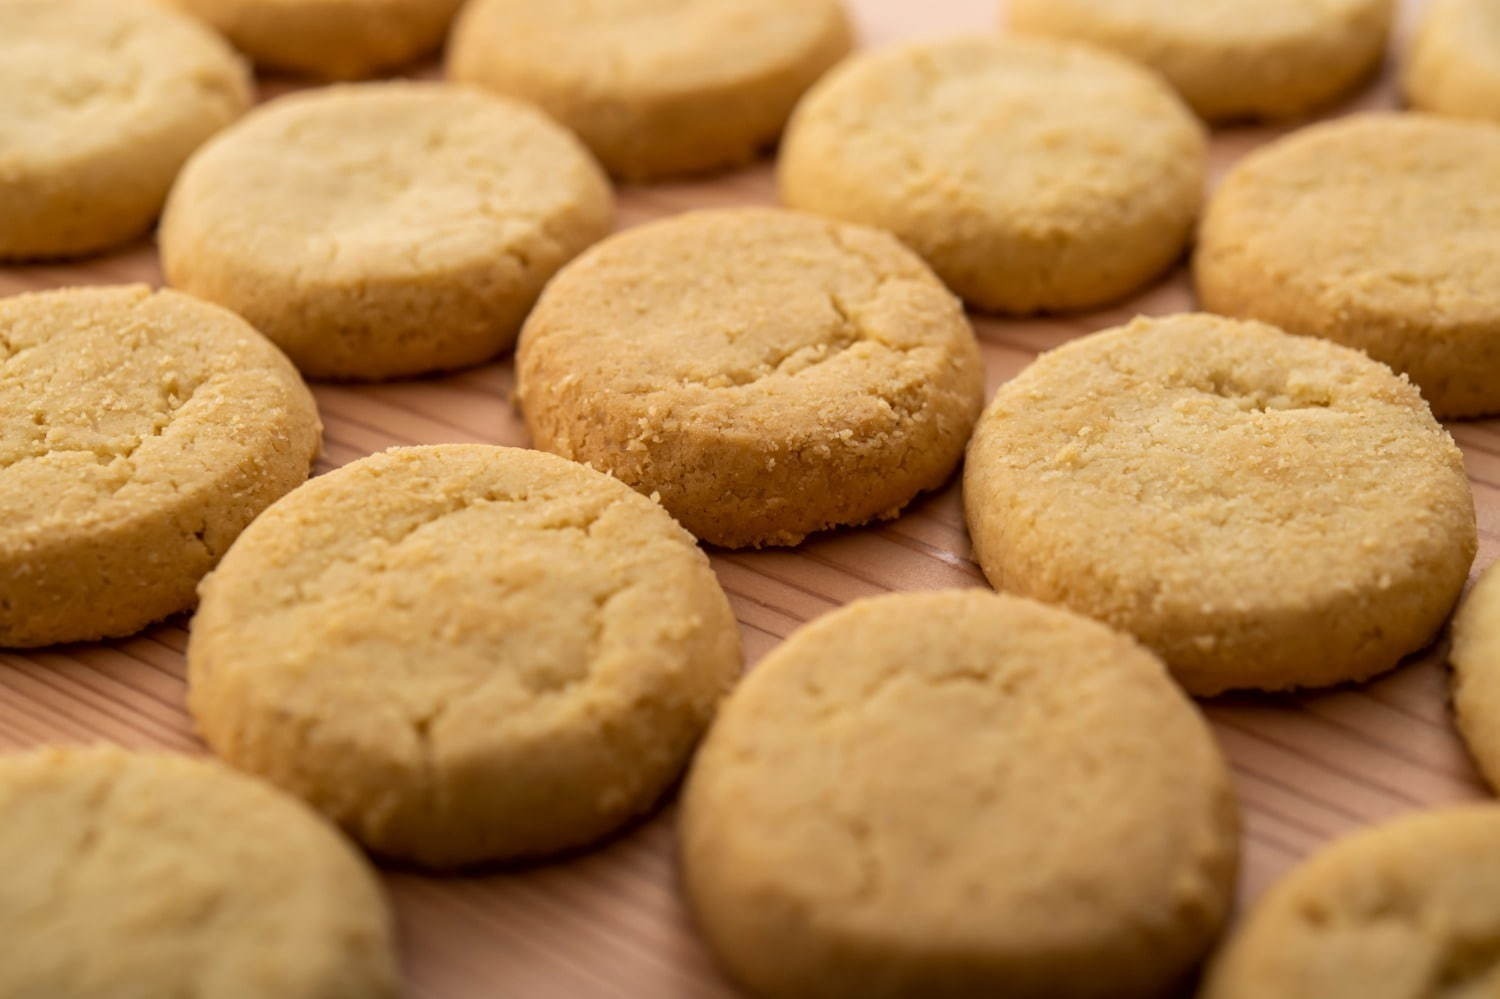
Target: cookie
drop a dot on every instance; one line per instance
(139, 433)
(1405, 910)
(765, 374)
(1453, 66)
(1475, 658)
(104, 101)
(1380, 231)
(141, 875)
(1262, 510)
(463, 653)
(896, 794)
(331, 39)
(1031, 174)
(384, 229)
(660, 88)
(1230, 59)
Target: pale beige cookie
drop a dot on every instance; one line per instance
(1031, 174)
(1475, 658)
(147, 875)
(766, 374)
(463, 653)
(1230, 59)
(1453, 66)
(139, 433)
(959, 794)
(1380, 231)
(332, 39)
(1406, 910)
(1262, 510)
(101, 102)
(655, 87)
(384, 229)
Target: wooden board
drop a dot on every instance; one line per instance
(609, 923)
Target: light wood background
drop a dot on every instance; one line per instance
(610, 923)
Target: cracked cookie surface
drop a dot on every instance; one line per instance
(463, 653)
(766, 373)
(957, 794)
(1263, 510)
(141, 875)
(380, 230)
(139, 433)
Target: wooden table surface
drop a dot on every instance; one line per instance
(610, 923)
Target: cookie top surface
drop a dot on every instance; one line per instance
(1453, 66)
(1205, 482)
(148, 874)
(1231, 21)
(823, 858)
(500, 652)
(1402, 910)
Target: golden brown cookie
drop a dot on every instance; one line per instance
(1262, 510)
(463, 653)
(1475, 658)
(145, 875)
(1030, 174)
(139, 433)
(766, 374)
(958, 794)
(1380, 231)
(655, 87)
(1453, 66)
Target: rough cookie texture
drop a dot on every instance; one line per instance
(139, 433)
(1262, 510)
(103, 102)
(767, 374)
(1407, 910)
(1230, 58)
(144, 875)
(1475, 658)
(463, 653)
(655, 87)
(1030, 174)
(384, 229)
(1453, 67)
(959, 794)
(333, 39)
(1380, 231)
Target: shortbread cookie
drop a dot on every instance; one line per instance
(463, 653)
(959, 794)
(146, 875)
(1262, 510)
(103, 101)
(1380, 231)
(1031, 174)
(657, 87)
(1230, 58)
(139, 433)
(1453, 67)
(385, 229)
(766, 374)
(1475, 658)
(1407, 910)
(332, 39)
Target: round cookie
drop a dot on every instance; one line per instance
(1406, 910)
(463, 653)
(765, 374)
(382, 230)
(1380, 231)
(332, 39)
(139, 434)
(1453, 66)
(1030, 174)
(1262, 510)
(1230, 59)
(141, 875)
(958, 794)
(655, 87)
(104, 101)
(1475, 658)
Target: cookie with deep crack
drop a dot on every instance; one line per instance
(1453, 65)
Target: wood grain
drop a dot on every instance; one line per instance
(609, 923)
